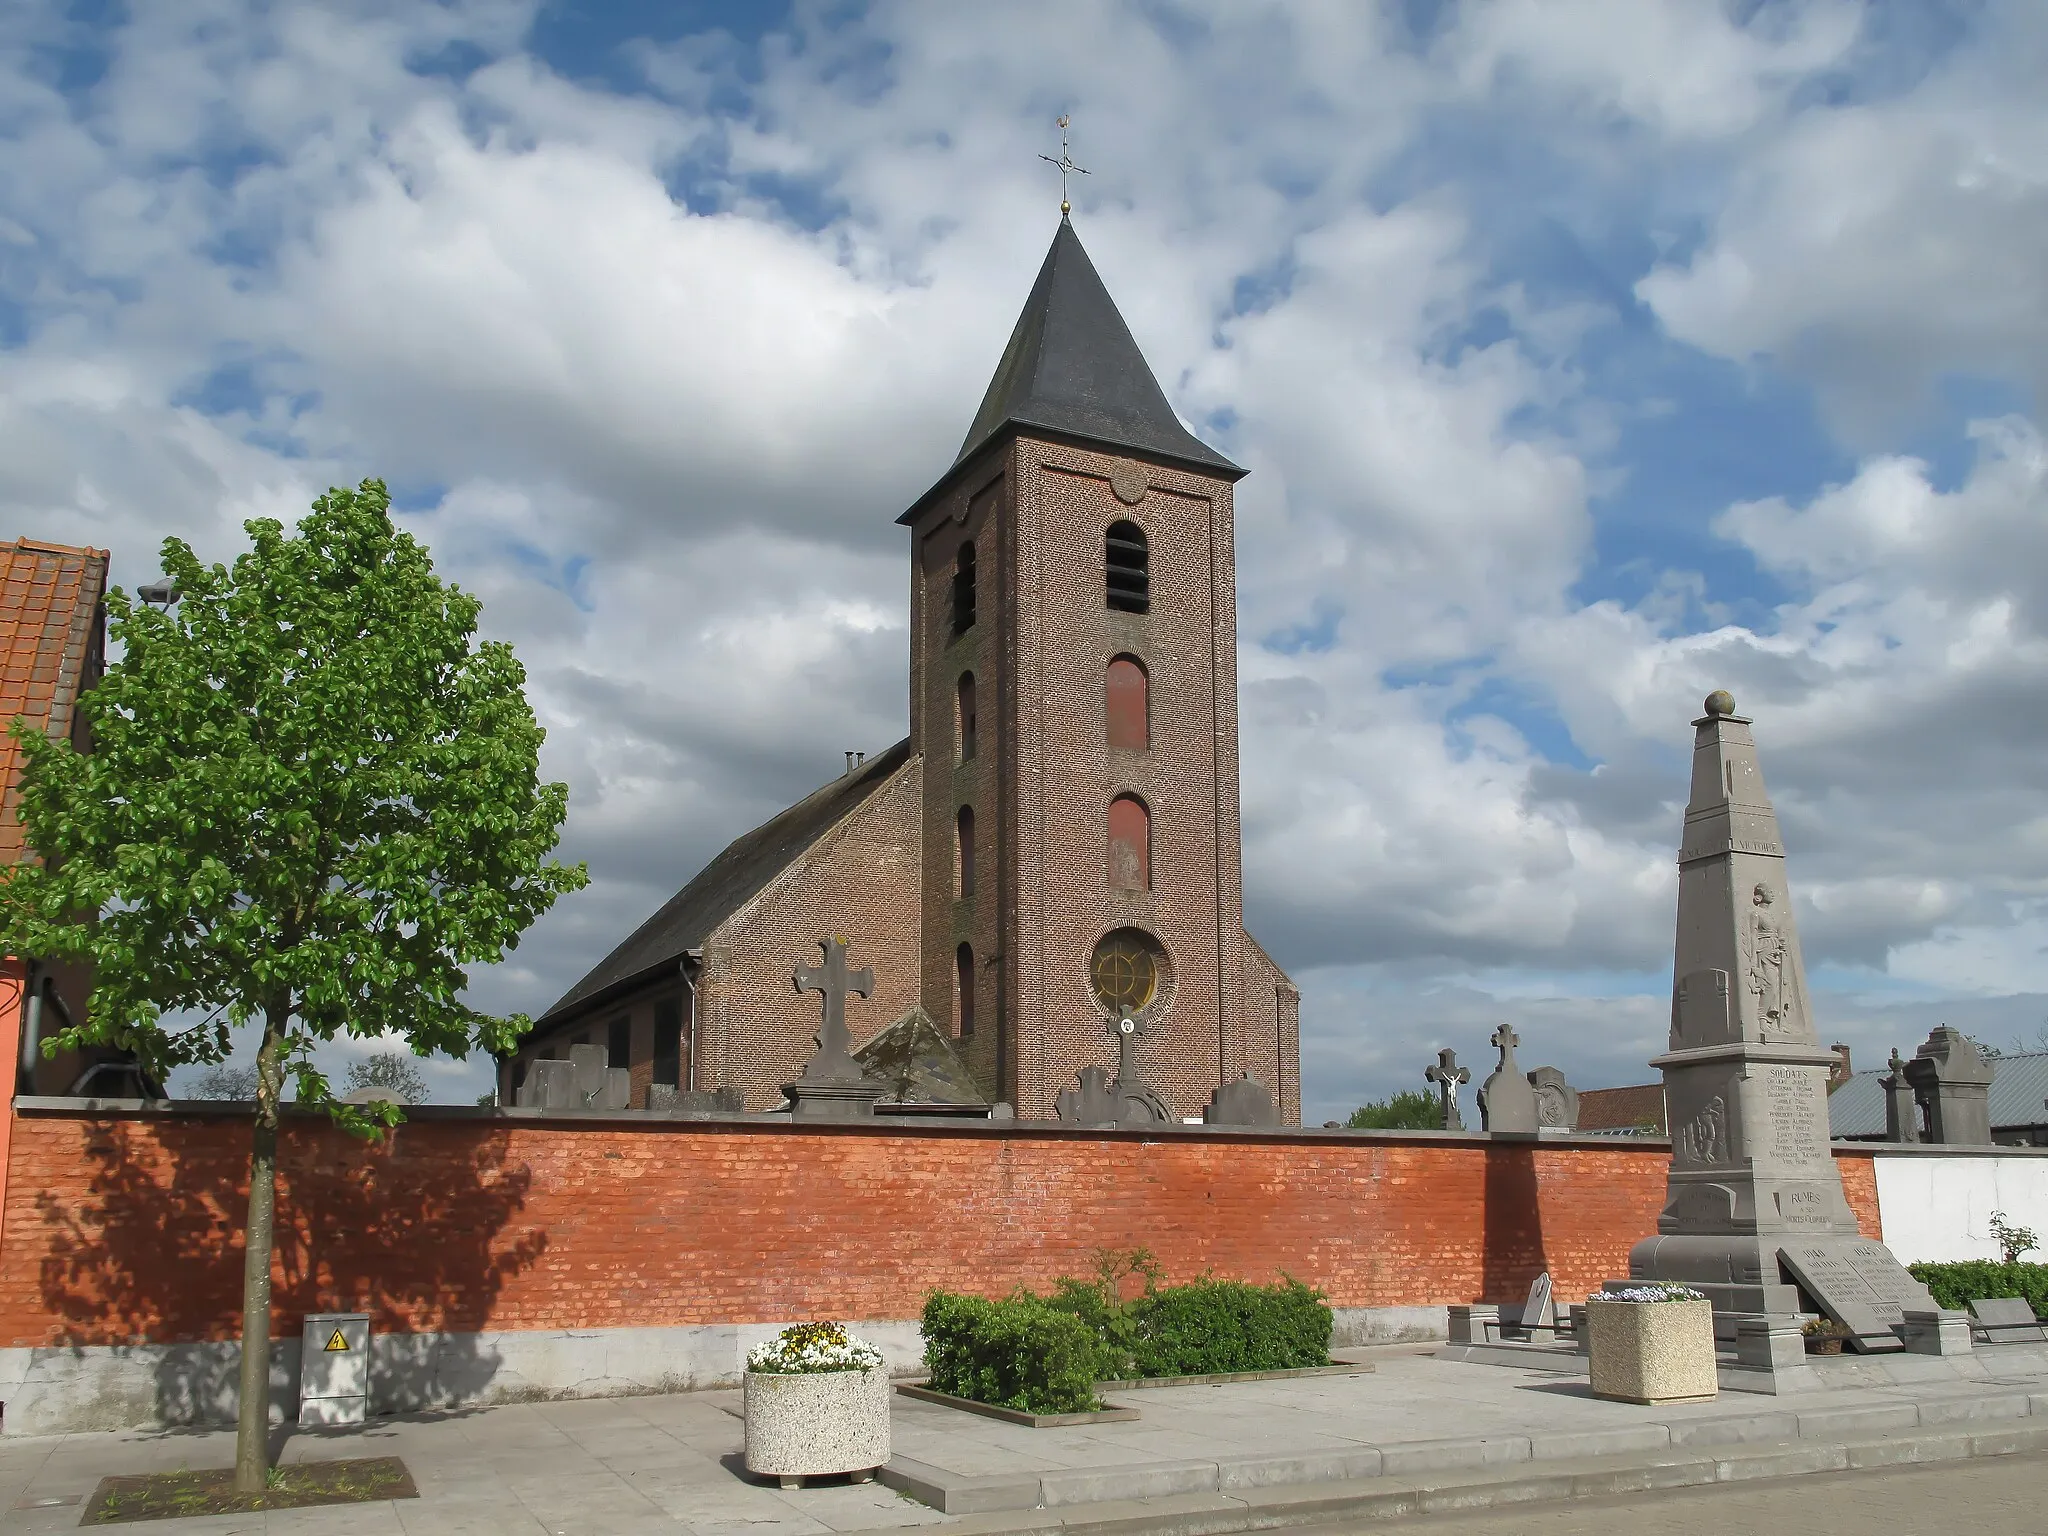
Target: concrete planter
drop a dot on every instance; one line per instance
(1652, 1351)
(817, 1424)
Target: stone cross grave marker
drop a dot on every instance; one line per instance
(1448, 1076)
(834, 979)
(1507, 1101)
(832, 1086)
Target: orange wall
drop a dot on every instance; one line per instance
(127, 1229)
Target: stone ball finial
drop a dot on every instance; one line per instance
(1720, 702)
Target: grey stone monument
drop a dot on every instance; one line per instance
(832, 1086)
(599, 1085)
(1557, 1101)
(1130, 1101)
(1901, 1111)
(1507, 1102)
(1953, 1082)
(1448, 1077)
(1244, 1102)
(548, 1085)
(1754, 1208)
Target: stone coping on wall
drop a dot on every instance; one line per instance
(882, 1125)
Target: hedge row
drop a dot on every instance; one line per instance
(1954, 1285)
(1044, 1354)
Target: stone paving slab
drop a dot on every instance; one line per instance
(1420, 1434)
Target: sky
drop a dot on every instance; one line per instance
(1586, 355)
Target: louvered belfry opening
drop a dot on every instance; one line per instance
(1128, 560)
(963, 589)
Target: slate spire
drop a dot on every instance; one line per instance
(1073, 369)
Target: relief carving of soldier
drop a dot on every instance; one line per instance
(1765, 960)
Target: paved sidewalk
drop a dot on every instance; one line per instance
(1418, 1434)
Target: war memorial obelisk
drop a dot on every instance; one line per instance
(1754, 1210)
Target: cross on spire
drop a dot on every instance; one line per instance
(1064, 164)
(834, 980)
(1448, 1076)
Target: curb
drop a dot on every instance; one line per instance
(1386, 1497)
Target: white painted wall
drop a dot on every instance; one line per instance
(1938, 1209)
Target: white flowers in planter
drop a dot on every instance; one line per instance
(810, 1347)
(1652, 1343)
(816, 1403)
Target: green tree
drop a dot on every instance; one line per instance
(390, 1072)
(1408, 1110)
(313, 799)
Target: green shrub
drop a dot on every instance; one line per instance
(1954, 1285)
(1020, 1353)
(1211, 1326)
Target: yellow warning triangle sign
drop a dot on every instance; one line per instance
(336, 1345)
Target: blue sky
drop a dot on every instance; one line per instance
(1586, 356)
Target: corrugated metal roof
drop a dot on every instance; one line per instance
(2019, 1084)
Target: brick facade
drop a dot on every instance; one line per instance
(1043, 775)
(126, 1230)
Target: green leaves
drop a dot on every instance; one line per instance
(312, 794)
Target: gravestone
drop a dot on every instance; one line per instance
(1448, 1077)
(1244, 1102)
(693, 1103)
(549, 1085)
(2008, 1320)
(832, 1086)
(1754, 1208)
(1901, 1109)
(1557, 1101)
(1507, 1102)
(1130, 1101)
(1538, 1311)
(598, 1084)
(1952, 1081)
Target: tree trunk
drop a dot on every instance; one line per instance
(252, 1424)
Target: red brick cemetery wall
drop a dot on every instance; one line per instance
(122, 1229)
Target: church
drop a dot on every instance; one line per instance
(1055, 846)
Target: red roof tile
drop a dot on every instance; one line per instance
(1621, 1109)
(52, 646)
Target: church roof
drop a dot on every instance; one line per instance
(1073, 369)
(726, 884)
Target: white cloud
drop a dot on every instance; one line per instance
(664, 437)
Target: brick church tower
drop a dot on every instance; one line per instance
(1055, 847)
(1073, 695)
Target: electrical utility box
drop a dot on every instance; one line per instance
(334, 1369)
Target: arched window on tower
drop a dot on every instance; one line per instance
(1127, 560)
(1130, 844)
(963, 588)
(1127, 706)
(963, 963)
(964, 825)
(966, 717)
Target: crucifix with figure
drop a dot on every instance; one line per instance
(1448, 1076)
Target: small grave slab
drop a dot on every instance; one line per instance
(178, 1495)
(2007, 1320)
(1017, 1415)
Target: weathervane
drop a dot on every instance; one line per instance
(1065, 164)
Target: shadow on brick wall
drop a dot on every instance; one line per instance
(412, 1230)
(1515, 1253)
